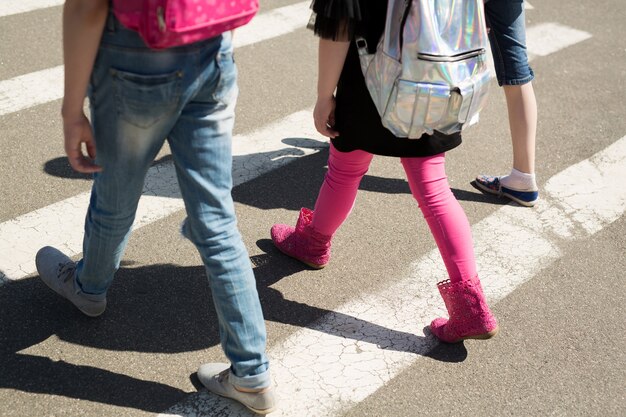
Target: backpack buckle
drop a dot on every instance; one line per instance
(361, 45)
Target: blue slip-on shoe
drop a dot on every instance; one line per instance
(492, 185)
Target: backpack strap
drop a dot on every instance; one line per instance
(397, 14)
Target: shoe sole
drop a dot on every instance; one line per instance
(92, 315)
(488, 190)
(483, 336)
(307, 263)
(262, 412)
(314, 266)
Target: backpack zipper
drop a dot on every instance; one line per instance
(451, 58)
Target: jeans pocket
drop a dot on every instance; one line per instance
(143, 100)
(226, 87)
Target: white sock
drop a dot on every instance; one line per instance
(519, 181)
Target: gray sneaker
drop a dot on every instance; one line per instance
(214, 376)
(57, 270)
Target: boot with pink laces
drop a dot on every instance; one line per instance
(470, 317)
(303, 242)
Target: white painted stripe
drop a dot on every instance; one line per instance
(272, 24)
(31, 90)
(547, 38)
(353, 351)
(46, 85)
(11, 7)
(8, 8)
(592, 192)
(61, 224)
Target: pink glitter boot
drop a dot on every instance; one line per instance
(470, 317)
(302, 242)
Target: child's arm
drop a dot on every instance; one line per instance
(83, 23)
(331, 57)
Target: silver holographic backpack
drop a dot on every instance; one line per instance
(429, 71)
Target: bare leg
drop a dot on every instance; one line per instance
(522, 107)
(520, 185)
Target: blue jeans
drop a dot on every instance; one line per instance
(140, 97)
(507, 35)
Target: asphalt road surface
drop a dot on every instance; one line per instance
(348, 340)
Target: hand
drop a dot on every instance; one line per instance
(324, 116)
(77, 130)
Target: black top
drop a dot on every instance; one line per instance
(356, 117)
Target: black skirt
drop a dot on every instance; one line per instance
(356, 117)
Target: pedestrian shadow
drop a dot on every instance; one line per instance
(156, 309)
(448, 352)
(32, 313)
(167, 309)
(269, 271)
(161, 308)
(41, 375)
(60, 167)
(296, 185)
(308, 173)
(300, 181)
(153, 309)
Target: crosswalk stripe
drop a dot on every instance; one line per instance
(353, 351)
(277, 22)
(46, 85)
(8, 7)
(30, 90)
(19, 251)
(358, 348)
(547, 38)
(60, 224)
(43, 86)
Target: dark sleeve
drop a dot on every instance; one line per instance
(334, 19)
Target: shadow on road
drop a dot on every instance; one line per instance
(157, 308)
(31, 313)
(166, 308)
(60, 167)
(302, 179)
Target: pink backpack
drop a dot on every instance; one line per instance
(169, 23)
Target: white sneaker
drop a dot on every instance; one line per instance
(57, 270)
(214, 376)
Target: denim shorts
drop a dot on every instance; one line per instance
(507, 35)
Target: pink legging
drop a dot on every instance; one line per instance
(429, 186)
